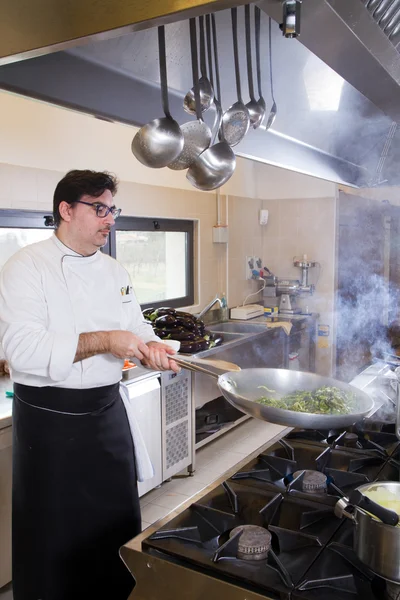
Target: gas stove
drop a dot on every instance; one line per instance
(269, 531)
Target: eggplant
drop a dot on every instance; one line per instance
(162, 333)
(165, 310)
(180, 333)
(194, 346)
(166, 321)
(186, 322)
(147, 312)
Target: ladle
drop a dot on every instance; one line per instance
(217, 164)
(205, 88)
(159, 142)
(274, 110)
(255, 108)
(236, 120)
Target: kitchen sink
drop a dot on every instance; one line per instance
(237, 327)
(228, 335)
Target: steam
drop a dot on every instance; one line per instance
(362, 316)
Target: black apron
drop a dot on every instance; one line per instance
(75, 499)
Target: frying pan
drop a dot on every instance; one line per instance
(241, 388)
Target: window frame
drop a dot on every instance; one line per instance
(126, 223)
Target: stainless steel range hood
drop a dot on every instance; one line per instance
(336, 100)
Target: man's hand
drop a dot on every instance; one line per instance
(4, 369)
(159, 358)
(124, 344)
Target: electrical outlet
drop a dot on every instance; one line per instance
(257, 263)
(249, 267)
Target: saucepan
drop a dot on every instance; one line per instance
(377, 531)
(243, 389)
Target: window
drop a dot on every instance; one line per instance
(20, 228)
(158, 254)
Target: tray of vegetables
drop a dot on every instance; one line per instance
(191, 332)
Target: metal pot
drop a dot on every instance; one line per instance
(376, 544)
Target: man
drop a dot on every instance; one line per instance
(68, 319)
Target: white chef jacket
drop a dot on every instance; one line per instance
(49, 294)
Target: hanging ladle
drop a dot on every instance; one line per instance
(159, 142)
(273, 111)
(205, 88)
(255, 108)
(196, 134)
(217, 164)
(236, 120)
(257, 25)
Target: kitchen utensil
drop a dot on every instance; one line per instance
(257, 26)
(273, 111)
(205, 88)
(256, 110)
(196, 134)
(159, 142)
(236, 120)
(223, 365)
(376, 544)
(243, 389)
(217, 104)
(217, 164)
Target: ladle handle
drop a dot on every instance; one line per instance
(203, 67)
(215, 44)
(257, 21)
(270, 58)
(209, 51)
(389, 517)
(248, 52)
(163, 70)
(236, 53)
(195, 66)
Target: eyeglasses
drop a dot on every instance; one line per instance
(102, 210)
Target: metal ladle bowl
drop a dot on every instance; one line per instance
(206, 97)
(159, 142)
(213, 167)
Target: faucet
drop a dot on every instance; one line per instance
(209, 306)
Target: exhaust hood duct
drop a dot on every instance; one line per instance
(337, 101)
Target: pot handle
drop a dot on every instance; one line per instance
(389, 517)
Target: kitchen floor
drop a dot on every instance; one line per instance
(211, 461)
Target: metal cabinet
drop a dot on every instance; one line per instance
(176, 422)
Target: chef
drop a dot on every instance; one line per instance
(68, 319)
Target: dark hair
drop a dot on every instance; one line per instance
(78, 183)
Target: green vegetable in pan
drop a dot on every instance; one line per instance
(325, 400)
